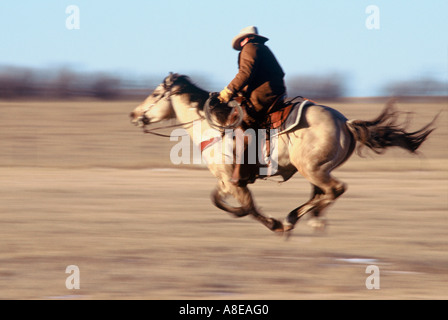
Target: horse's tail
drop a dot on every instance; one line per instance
(384, 132)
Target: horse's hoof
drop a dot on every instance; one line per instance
(287, 226)
(276, 226)
(318, 225)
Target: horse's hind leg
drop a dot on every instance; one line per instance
(317, 222)
(298, 212)
(326, 189)
(315, 151)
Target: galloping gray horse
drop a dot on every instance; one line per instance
(323, 141)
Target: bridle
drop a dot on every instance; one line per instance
(167, 94)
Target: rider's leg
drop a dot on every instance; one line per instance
(240, 142)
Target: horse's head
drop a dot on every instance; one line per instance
(157, 106)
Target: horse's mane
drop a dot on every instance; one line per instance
(184, 85)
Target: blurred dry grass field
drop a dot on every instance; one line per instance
(81, 186)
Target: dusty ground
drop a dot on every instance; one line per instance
(81, 186)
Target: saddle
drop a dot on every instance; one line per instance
(276, 115)
(277, 118)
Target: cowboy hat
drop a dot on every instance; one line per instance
(246, 32)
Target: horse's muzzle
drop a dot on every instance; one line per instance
(139, 121)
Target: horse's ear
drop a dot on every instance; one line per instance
(168, 81)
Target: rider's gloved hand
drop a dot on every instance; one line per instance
(225, 95)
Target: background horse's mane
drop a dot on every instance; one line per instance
(184, 85)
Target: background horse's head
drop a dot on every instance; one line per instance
(156, 107)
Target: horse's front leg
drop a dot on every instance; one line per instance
(218, 199)
(245, 198)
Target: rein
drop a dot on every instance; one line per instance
(151, 131)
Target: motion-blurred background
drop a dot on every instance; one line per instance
(80, 186)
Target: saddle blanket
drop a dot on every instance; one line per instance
(292, 120)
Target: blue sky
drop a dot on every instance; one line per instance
(193, 37)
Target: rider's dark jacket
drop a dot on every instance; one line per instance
(260, 76)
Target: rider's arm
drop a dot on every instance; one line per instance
(247, 65)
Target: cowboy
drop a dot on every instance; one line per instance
(259, 80)
(260, 76)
